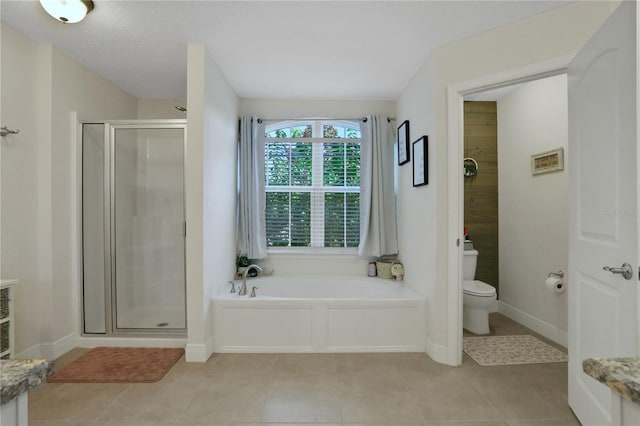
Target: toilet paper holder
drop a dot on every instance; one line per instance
(558, 274)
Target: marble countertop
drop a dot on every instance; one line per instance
(620, 374)
(7, 283)
(18, 376)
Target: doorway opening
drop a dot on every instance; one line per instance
(456, 97)
(516, 215)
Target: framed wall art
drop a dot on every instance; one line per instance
(546, 162)
(420, 161)
(403, 143)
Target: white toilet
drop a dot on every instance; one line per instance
(477, 296)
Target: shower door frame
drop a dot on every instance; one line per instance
(110, 127)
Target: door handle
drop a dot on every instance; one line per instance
(625, 270)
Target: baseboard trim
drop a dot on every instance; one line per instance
(131, 342)
(50, 350)
(33, 352)
(196, 353)
(59, 347)
(63, 345)
(439, 353)
(545, 329)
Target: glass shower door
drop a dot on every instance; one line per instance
(148, 228)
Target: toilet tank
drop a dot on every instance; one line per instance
(469, 262)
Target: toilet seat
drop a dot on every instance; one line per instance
(478, 289)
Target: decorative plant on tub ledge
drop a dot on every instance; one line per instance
(241, 263)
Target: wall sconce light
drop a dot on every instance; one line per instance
(67, 11)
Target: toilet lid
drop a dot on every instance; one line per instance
(478, 288)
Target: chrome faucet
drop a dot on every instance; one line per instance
(243, 289)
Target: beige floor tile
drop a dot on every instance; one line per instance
(566, 421)
(148, 404)
(218, 424)
(418, 368)
(471, 423)
(442, 399)
(330, 389)
(38, 393)
(380, 407)
(233, 368)
(300, 424)
(418, 423)
(533, 404)
(348, 363)
(302, 367)
(368, 374)
(249, 360)
(226, 402)
(192, 373)
(315, 401)
(66, 359)
(75, 401)
(545, 395)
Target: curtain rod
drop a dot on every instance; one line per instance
(363, 119)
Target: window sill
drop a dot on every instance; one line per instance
(279, 251)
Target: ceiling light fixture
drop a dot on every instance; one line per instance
(67, 11)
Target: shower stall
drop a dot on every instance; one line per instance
(133, 227)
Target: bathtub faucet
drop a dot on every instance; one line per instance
(243, 289)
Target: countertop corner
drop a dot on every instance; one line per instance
(18, 376)
(620, 374)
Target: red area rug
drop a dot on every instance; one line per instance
(119, 365)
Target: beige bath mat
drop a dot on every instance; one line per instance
(511, 350)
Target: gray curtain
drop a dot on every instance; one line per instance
(251, 197)
(377, 198)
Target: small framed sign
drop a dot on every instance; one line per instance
(546, 162)
(420, 162)
(403, 143)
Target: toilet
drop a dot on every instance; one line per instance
(477, 296)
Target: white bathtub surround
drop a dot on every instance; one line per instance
(320, 314)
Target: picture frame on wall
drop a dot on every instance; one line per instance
(403, 143)
(548, 161)
(420, 161)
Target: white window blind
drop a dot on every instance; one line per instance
(312, 184)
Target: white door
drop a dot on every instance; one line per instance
(603, 209)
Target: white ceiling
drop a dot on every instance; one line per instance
(285, 50)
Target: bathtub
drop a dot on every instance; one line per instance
(320, 314)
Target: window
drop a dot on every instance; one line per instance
(312, 184)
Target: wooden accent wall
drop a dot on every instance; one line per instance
(481, 191)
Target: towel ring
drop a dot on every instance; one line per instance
(470, 170)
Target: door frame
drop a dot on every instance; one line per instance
(455, 143)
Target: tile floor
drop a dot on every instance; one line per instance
(319, 389)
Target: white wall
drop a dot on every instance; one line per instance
(41, 86)
(160, 108)
(554, 34)
(285, 264)
(211, 193)
(417, 225)
(74, 88)
(533, 210)
(283, 108)
(19, 250)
